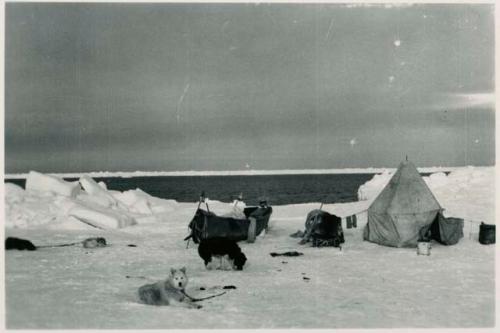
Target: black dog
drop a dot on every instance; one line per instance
(220, 247)
(13, 243)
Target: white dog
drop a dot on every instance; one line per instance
(168, 292)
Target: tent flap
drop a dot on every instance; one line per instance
(447, 231)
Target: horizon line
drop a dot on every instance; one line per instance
(248, 172)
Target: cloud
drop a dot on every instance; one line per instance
(379, 5)
(464, 101)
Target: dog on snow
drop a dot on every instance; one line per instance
(168, 292)
(218, 249)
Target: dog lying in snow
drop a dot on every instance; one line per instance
(168, 292)
(215, 251)
(14, 243)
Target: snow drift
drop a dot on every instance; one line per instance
(49, 200)
(46, 183)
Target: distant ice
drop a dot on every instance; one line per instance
(248, 172)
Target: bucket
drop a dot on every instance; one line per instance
(486, 233)
(424, 248)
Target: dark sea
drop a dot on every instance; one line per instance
(276, 189)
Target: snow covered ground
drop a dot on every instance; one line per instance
(363, 286)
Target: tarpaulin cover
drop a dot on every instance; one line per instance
(322, 226)
(447, 230)
(207, 225)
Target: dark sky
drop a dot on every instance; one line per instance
(123, 87)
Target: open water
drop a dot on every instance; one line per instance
(276, 189)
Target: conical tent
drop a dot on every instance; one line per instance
(403, 212)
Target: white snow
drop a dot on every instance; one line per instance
(49, 200)
(373, 187)
(234, 209)
(363, 286)
(47, 183)
(101, 217)
(96, 190)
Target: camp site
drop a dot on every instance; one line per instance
(375, 275)
(280, 165)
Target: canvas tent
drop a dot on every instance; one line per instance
(403, 212)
